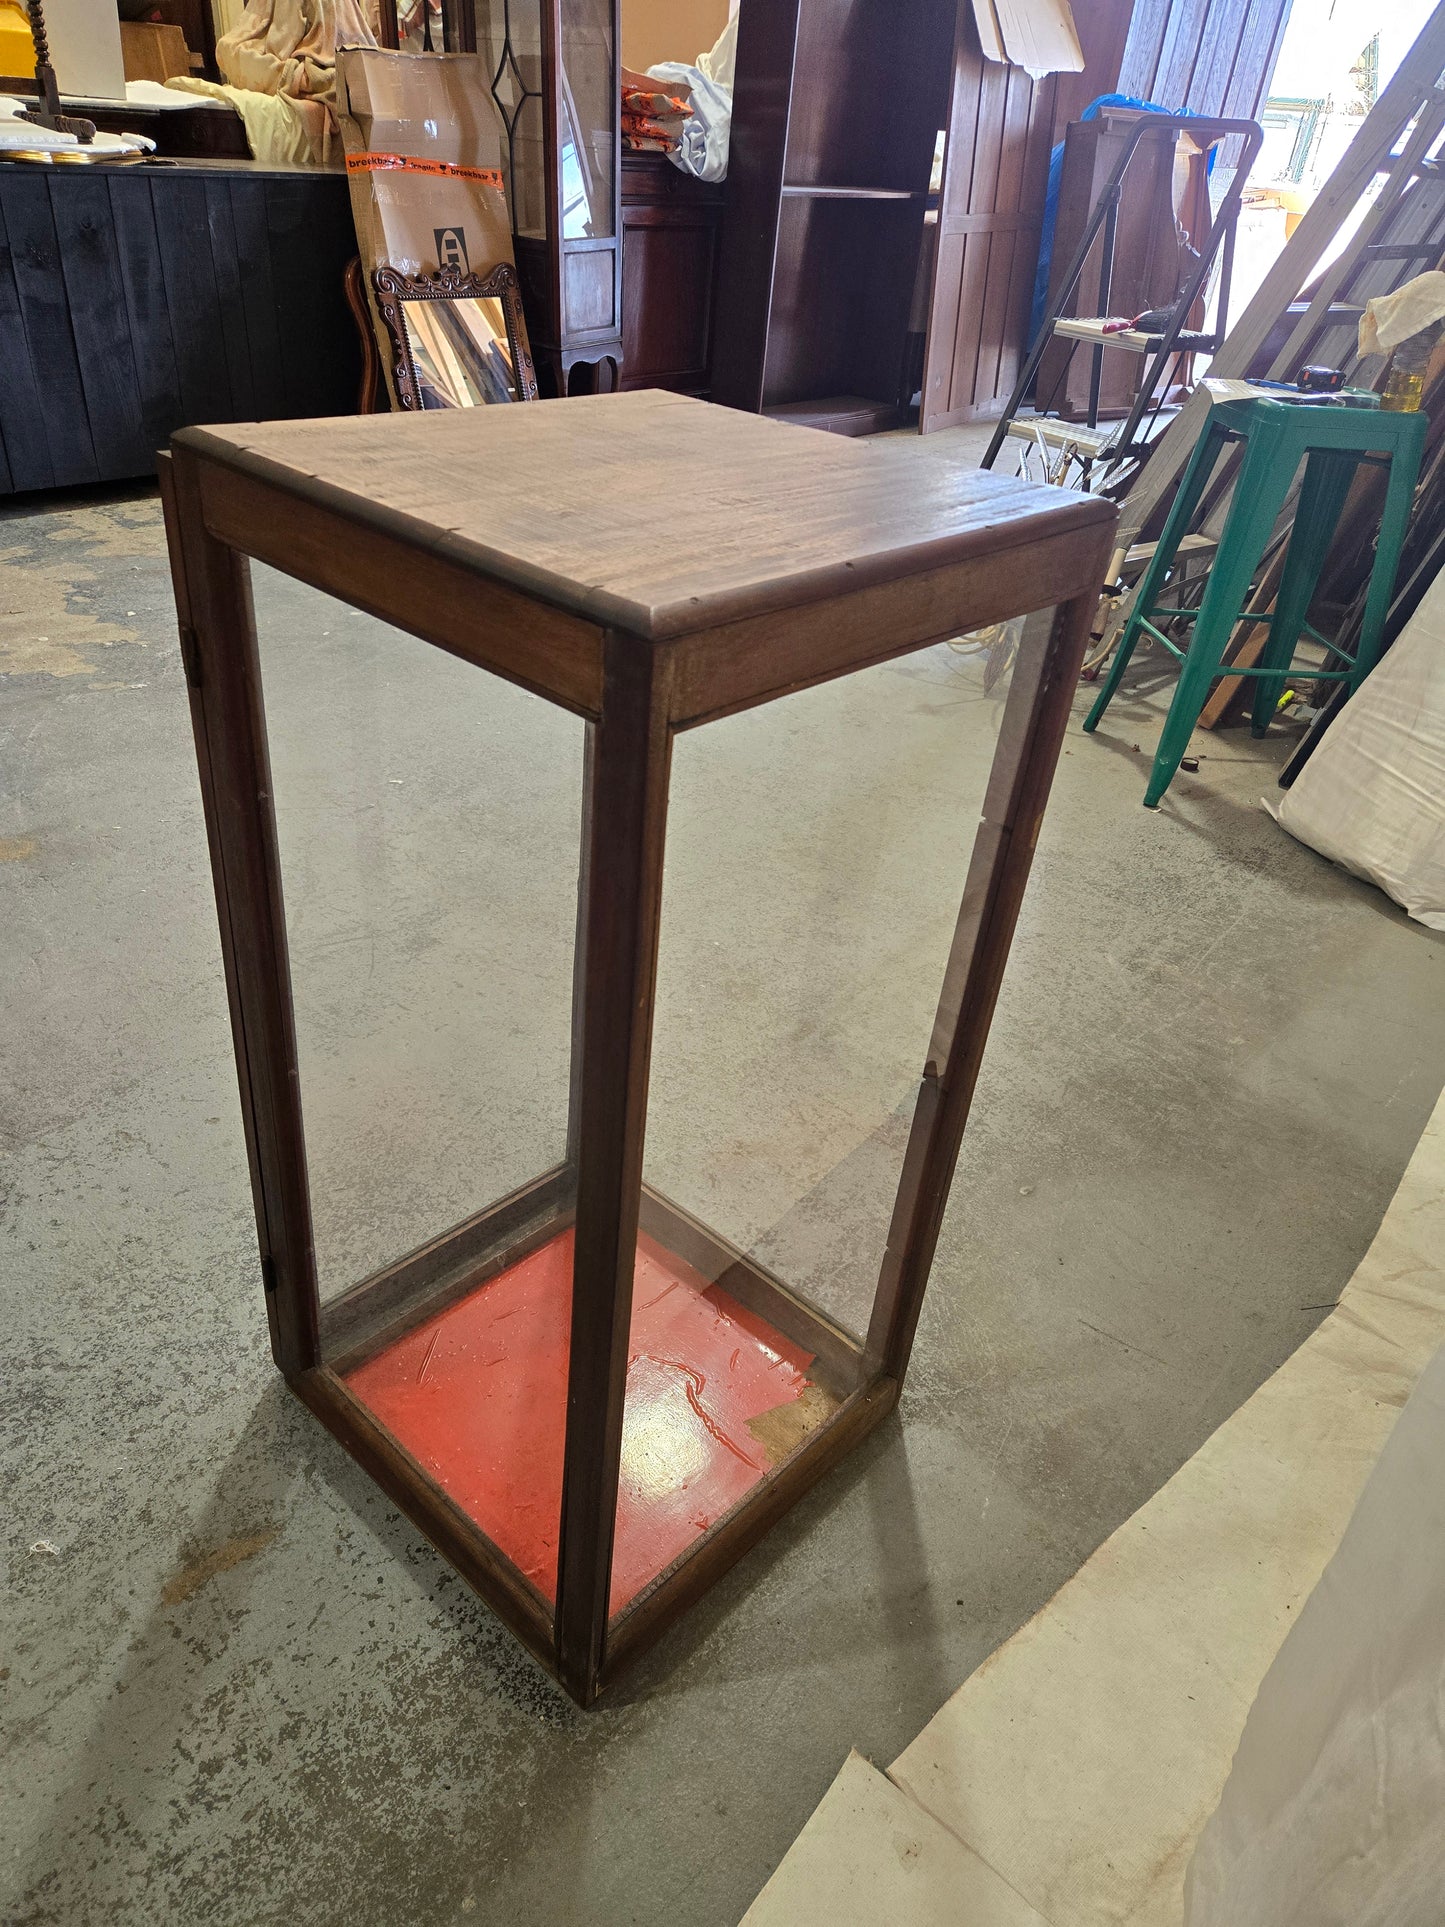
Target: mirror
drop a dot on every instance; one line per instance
(457, 340)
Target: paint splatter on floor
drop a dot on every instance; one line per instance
(231, 1552)
(478, 1395)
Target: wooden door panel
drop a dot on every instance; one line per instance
(996, 162)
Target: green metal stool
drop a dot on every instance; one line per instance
(1332, 438)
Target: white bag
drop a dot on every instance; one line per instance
(1372, 797)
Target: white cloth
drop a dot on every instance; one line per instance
(1332, 1813)
(702, 148)
(719, 63)
(1390, 319)
(1372, 797)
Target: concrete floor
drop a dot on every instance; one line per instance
(236, 1685)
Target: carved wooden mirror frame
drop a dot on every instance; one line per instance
(393, 290)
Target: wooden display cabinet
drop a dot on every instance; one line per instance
(588, 1397)
(557, 85)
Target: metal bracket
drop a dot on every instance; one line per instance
(191, 655)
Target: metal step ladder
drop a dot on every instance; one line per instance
(1089, 445)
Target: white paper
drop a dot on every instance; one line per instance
(990, 34)
(85, 48)
(871, 1857)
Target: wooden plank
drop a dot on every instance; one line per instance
(148, 317)
(968, 336)
(628, 818)
(183, 230)
(1301, 254)
(382, 1308)
(1103, 29)
(644, 1620)
(995, 163)
(311, 241)
(90, 268)
(775, 518)
(729, 669)
(937, 391)
(40, 285)
(837, 1353)
(1179, 51)
(1243, 82)
(251, 228)
(998, 316)
(291, 273)
(1337, 275)
(226, 266)
(459, 1540)
(1203, 56)
(1023, 165)
(218, 643)
(22, 419)
(996, 338)
(1139, 69)
(1229, 691)
(431, 596)
(1036, 715)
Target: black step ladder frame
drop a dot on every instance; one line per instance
(1105, 214)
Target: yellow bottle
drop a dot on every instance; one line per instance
(1404, 388)
(1404, 391)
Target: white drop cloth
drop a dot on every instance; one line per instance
(1372, 797)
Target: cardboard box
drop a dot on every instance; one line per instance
(423, 139)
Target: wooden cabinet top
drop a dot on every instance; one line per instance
(651, 512)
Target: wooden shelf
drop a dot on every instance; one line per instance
(853, 193)
(835, 114)
(1087, 328)
(837, 414)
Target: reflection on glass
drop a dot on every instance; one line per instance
(460, 351)
(589, 109)
(802, 956)
(805, 937)
(428, 823)
(529, 170)
(509, 34)
(419, 26)
(573, 177)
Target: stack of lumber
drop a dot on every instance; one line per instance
(1305, 312)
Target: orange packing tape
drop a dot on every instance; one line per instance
(408, 164)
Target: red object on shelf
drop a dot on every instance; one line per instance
(478, 1394)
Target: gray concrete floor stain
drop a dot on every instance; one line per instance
(236, 1685)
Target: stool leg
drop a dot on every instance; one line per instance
(1259, 493)
(1327, 477)
(1196, 476)
(1404, 468)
